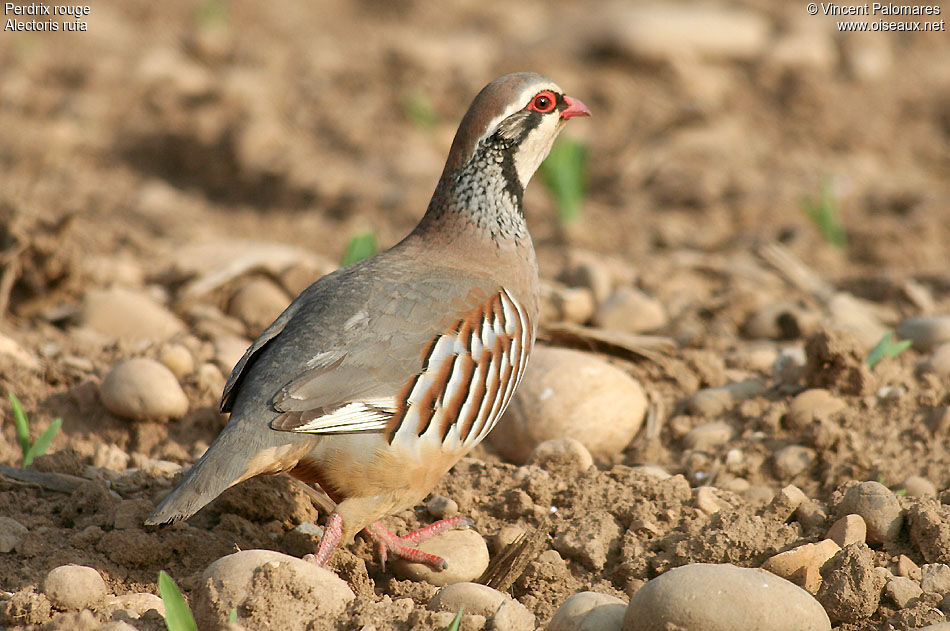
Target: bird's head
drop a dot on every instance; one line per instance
(517, 117)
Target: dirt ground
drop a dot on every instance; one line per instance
(172, 139)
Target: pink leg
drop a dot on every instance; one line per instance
(403, 547)
(328, 543)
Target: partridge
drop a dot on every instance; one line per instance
(380, 376)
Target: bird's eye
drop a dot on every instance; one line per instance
(544, 102)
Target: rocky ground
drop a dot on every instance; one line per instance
(174, 175)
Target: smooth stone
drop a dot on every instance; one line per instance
(465, 551)
(589, 611)
(128, 315)
(512, 616)
(723, 597)
(74, 587)
(569, 304)
(251, 577)
(802, 565)
(143, 389)
(569, 393)
(257, 303)
(714, 401)
(664, 32)
(917, 486)
(228, 351)
(791, 460)
(926, 332)
(907, 568)
(939, 361)
(442, 507)
(708, 436)
(178, 359)
(786, 502)
(813, 404)
(706, 500)
(847, 530)
(474, 597)
(562, 455)
(902, 591)
(631, 310)
(878, 506)
(586, 273)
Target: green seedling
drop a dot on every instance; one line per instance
(420, 111)
(564, 174)
(360, 247)
(31, 450)
(177, 614)
(826, 215)
(886, 348)
(456, 621)
(212, 15)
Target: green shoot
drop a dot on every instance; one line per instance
(232, 615)
(564, 174)
(886, 348)
(362, 246)
(31, 450)
(177, 614)
(456, 621)
(212, 14)
(420, 111)
(826, 215)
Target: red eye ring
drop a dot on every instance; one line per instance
(543, 102)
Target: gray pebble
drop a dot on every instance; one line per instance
(878, 506)
(926, 332)
(11, 533)
(902, 591)
(442, 507)
(74, 587)
(143, 389)
(714, 401)
(722, 597)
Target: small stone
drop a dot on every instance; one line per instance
(790, 364)
(916, 486)
(938, 363)
(786, 502)
(878, 506)
(713, 401)
(74, 587)
(802, 565)
(11, 533)
(565, 455)
(512, 616)
(708, 436)
(228, 351)
(178, 359)
(927, 332)
(465, 552)
(505, 537)
(257, 303)
(572, 304)
(812, 515)
(630, 310)
(847, 530)
(589, 611)
(143, 389)
(442, 507)
(722, 597)
(707, 501)
(588, 539)
(902, 591)
(109, 456)
(851, 587)
(474, 597)
(935, 578)
(907, 568)
(128, 315)
(252, 580)
(569, 393)
(791, 460)
(139, 604)
(813, 404)
(590, 274)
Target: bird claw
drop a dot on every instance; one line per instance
(404, 547)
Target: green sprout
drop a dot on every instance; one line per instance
(420, 111)
(360, 247)
(886, 348)
(564, 174)
(177, 614)
(456, 621)
(213, 14)
(31, 450)
(824, 212)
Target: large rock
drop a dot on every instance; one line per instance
(722, 597)
(574, 394)
(74, 587)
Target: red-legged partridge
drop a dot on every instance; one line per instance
(380, 376)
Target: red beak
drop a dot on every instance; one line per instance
(575, 107)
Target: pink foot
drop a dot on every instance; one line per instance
(404, 547)
(328, 543)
